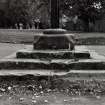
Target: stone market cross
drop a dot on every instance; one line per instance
(52, 53)
(54, 38)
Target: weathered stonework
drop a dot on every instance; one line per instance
(55, 65)
(54, 39)
(55, 54)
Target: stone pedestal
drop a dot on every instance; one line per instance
(54, 39)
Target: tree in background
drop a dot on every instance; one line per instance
(39, 10)
(26, 12)
(16, 12)
(86, 10)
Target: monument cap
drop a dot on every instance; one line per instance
(54, 31)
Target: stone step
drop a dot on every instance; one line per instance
(57, 65)
(55, 54)
(31, 72)
(70, 75)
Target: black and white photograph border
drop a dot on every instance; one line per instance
(52, 52)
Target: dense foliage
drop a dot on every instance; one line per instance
(27, 11)
(85, 10)
(24, 11)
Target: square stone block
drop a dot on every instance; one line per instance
(54, 41)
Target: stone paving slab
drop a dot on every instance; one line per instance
(95, 55)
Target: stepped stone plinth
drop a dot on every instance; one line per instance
(53, 51)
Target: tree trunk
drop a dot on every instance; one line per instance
(86, 26)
